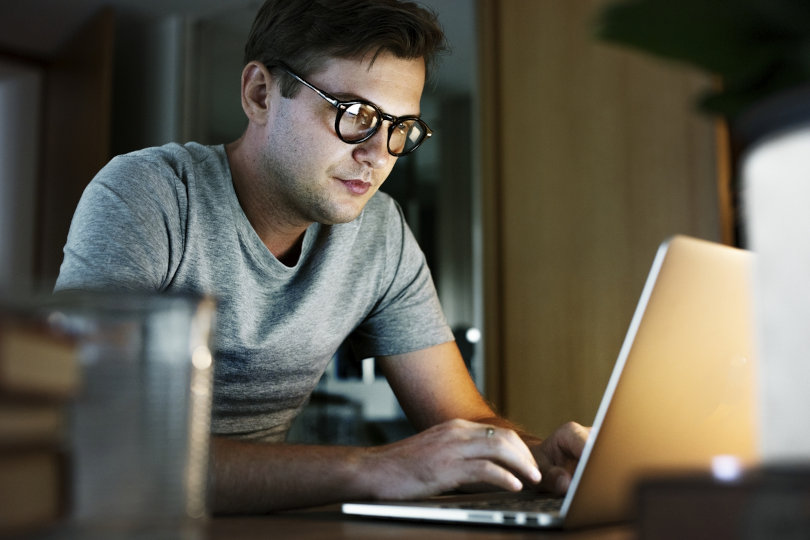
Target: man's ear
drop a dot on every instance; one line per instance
(256, 86)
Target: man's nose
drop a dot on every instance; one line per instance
(374, 151)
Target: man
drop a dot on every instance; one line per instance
(286, 229)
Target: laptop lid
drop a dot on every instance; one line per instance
(680, 395)
(682, 391)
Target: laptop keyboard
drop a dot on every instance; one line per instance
(539, 504)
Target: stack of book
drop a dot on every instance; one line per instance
(39, 376)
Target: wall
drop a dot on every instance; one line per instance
(20, 87)
(149, 81)
(591, 157)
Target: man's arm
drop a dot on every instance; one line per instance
(453, 450)
(433, 385)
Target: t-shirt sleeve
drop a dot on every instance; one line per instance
(126, 233)
(408, 315)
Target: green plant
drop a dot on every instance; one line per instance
(756, 47)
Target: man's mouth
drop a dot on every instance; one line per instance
(358, 187)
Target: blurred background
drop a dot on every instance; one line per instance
(558, 166)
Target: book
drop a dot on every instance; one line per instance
(33, 489)
(39, 376)
(36, 361)
(25, 424)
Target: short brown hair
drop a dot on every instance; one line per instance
(303, 34)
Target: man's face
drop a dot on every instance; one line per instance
(313, 176)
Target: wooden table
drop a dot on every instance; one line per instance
(329, 523)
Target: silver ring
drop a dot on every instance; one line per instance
(490, 432)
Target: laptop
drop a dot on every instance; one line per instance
(681, 399)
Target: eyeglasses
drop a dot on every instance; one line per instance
(357, 121)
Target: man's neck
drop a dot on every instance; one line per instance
(284, 240)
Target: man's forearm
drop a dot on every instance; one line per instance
(250, 477)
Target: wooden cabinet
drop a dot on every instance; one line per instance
(592, 155)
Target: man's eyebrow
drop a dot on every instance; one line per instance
(347, 96)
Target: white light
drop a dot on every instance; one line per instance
(201, 357)
(473, 335)
(726, 468)
(367, 367)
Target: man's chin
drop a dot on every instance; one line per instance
(345, 213)
(338, 218)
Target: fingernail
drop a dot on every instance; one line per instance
(536, 476)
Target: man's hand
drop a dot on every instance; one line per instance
(460, 454)
(559, 454)
(452, 455)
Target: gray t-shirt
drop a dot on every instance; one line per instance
(167, 219)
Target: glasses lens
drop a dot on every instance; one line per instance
(358, 121)
(406, 136)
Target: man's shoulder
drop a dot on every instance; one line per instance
(162, 171)
(172, 157)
